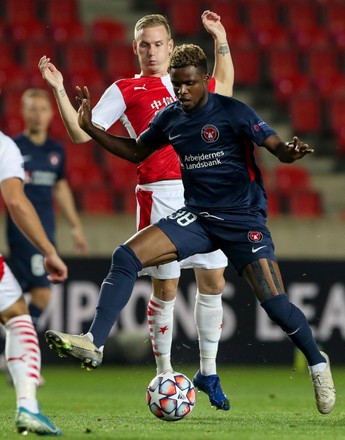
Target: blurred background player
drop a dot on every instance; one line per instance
(160, 191)
(44, 161)
(23, 355)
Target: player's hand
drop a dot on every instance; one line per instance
(85, 110)
(297, 148)
(80, 244)
(56, 268)
(50, 73)
(213, 25)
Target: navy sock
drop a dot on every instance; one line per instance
(115, 292)
(35, 313)
(291, 319)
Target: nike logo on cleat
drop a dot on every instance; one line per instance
(254, 250)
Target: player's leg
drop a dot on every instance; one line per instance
(208, 315)
(160, 317)
(265, 278)
(155, 201)
(150, 246)
(23, 357)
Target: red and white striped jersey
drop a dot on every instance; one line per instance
(135, 101)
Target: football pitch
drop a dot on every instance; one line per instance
(109, 403)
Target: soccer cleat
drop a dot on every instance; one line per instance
(26, 421)
(324, 388)
(211, 386)
(78, 346)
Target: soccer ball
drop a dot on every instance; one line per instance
(170, 396)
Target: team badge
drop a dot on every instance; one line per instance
(255, 236)
(210, 133)
(54, 159)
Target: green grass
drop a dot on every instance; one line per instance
(109, 403)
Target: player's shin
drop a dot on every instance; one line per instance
(115, 292)
(160, 317)
(208, 315)
(292, 321)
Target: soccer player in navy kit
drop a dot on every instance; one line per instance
(44, 161)
(225, 207)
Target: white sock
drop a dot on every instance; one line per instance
(23, 357)
(318, 368)
(208, 315)
(160, 316)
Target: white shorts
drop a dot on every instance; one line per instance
(158, 200)
(10, 290)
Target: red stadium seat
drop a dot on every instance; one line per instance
(282, 62)
(291, 178)
(8, 55)
(247, 65)
(33, 51)
(336, 105)
(11, 101)
(185, 17)
(97, 201)
(21, 11)
(79, 57)
(305, 204)
(305, 111)
(66, 33)
(61, 12)
(106, 30)
(12, 78)
(290, 85)
(13, 124)
(119, 61)
(22, 32)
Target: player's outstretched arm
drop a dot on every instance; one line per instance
(127, 148)
(287, 152)
(27, 220)
(223, 71)
(68, 113)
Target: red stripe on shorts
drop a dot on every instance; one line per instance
(145, 203)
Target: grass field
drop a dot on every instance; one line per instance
(109, 403)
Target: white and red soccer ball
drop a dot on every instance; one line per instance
(171, 396)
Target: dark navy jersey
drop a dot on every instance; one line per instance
(215, 145)
(44, 166)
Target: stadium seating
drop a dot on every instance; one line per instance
(305, 111)
(305, 204)
(291, 178)
(97, 201)
(105, 31)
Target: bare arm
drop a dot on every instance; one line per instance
(68, 113)
(65, 199)
(287, 152)
(223, 71)
(127, 148)
(25, 217)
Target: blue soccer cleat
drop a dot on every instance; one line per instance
(26, 421)
(211, 386)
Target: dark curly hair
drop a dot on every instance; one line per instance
(188, 55)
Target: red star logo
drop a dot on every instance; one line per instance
(163, 329)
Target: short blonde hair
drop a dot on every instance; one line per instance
(33, 93)
(152, 20)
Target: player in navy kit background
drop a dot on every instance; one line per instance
(225, 207)
(44, 161)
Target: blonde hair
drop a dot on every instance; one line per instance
(188, 55)
(152, 20)
(34, 93)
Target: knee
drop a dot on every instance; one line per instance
(210, 281)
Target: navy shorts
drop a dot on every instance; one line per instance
(242, 238)
(27, 266)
